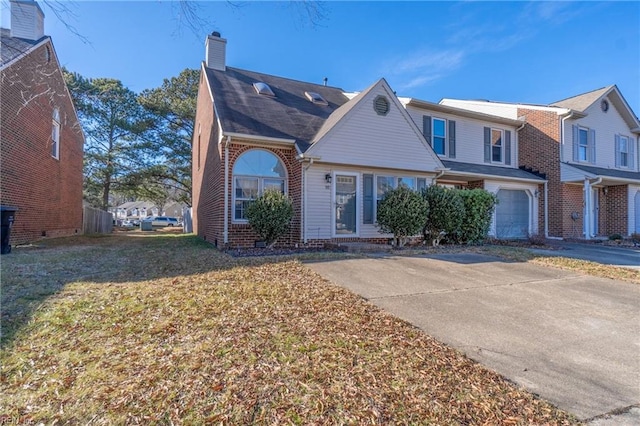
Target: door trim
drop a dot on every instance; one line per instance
(334, 181)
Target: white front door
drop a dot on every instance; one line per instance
(637, 209)
(345, 212)
(595, 208)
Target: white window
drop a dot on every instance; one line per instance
(55, 134)
(496, 145)
(439, 135)
(254, 172)
(385, 183)
(624, 151)
(583, 144)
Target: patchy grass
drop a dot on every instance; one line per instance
(161, 329)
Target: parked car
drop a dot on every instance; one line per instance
(127, 224)
(162, 221)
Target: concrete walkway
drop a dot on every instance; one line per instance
(572, 339)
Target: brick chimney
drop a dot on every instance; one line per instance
(27, 20)
(216, 51)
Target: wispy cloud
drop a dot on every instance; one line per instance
(478, 30)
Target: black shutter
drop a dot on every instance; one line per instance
(367, 183)
(426, 128)
(487, 144)
(452, 139)
(507, 147)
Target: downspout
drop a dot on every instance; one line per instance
(562, 129)
(588, 185)
(225, 232)
(546, 209)
(438, 175)
(304, 200)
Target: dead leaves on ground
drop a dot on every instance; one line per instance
(268, 343)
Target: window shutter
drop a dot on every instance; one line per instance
(507, 147)
(592, 146)
(576, 137)
(422, 184)
(426, 128)
(617, 144)
(452, 139)
(367, 182)
(487, 144)
(631, 156)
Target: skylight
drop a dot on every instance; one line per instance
(316, 98)
(263, 89)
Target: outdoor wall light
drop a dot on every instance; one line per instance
(605, 190)
(327, 178)
(536, 193)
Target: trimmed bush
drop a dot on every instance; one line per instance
(270, 215)
(402, 212)
(446, 213)
(479, 206)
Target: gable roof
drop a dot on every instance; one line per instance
(14, 47)
(288, 115)
(582, 102)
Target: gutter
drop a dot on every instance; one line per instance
(438, 175)
(255, 138)
(225, 232)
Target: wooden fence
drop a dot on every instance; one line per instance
(96, 221)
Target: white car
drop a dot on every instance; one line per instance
(162, 221)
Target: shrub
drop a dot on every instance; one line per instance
(403, 213)
(615, 237)
(446, 213)
(478, 211)
(270, 215)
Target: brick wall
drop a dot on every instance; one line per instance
(572, 205)
(48, 191)
(539, 150)
(614, 210)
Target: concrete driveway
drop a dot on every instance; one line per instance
(627, 257)
(572, 339)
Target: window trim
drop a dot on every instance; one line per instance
(444, 136)
(502, 145)
(260, 179)
(55, 134)
(585, 146)
(627, 141)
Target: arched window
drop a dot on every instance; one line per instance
(254, 172)
(55, 134)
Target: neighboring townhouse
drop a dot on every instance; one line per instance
(335, 154)
(587, 146)
(41, 142)
(481, 151)
(331, 152)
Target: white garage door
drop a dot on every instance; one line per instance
(512, 214)
(637, 208)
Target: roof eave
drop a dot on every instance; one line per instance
(489, 176)
(259, 139)
(464, 112)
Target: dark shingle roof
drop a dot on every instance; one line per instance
(612, 173)
(12, 47)
(290, 115)
(483, 169)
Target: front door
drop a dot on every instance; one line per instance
(595, 209)
(345, 213)
(637, 209)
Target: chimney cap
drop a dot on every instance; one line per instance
(215, 34)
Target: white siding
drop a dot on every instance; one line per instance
(495, 186)
(319, 208)
(364, 138)
(571, 174)
(469, 136)
(606, 125)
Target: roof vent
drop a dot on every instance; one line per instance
(316, 98)
(381, 105)
(263, 89)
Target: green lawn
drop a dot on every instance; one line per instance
(164, 329)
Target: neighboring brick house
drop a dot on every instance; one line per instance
(41, 143)
(336, 153)
(587, 146)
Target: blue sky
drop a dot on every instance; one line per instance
(536, 52)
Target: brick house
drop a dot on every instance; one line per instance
(588, 148)
(335, 153)
(41, 148)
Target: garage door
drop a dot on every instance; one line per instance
(512, 214)
(637, 208)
